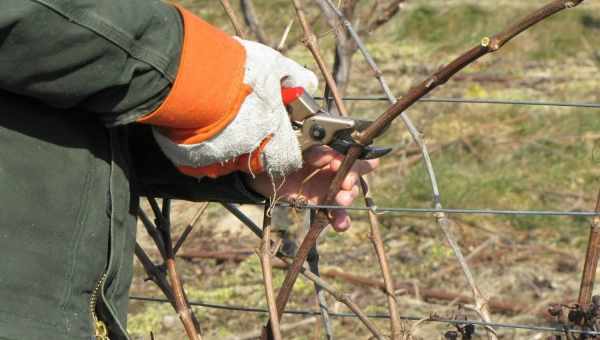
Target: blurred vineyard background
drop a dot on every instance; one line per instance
(486, 156)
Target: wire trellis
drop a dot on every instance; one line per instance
(482, 101)
(557, 328)
(435, 319)
(405, 210)
(430, 319)
(447, 210)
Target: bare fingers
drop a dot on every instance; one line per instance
(360, 168)
(341, 221)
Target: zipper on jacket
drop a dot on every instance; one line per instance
(99, 326)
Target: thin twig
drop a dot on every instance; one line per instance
(234, 19)
(284, 36)
(182, 306)
(383, 261)
(305, 271)
(341, 297)
(313, 265)
(477, 251)
(591, 260)
(154, 273)
(189, 228)
(265, 261)
(386, 15)
(319, 222)
(251, 20)
(159, 277)
(481, 302)
(311, 42)
(488, 45)
(153, 232)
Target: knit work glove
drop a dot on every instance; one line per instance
(224, 112)
(260, 137)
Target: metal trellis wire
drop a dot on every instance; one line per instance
(447, 210)
(433, 319)
(481, 101)
(375, 316)
(559, 329)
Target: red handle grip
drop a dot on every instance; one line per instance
(289, 94)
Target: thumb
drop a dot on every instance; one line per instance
(282, 155)
(297, 75)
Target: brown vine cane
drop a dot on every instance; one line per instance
(591, 260)
(487, 45)
(343, 298)
(311, 42)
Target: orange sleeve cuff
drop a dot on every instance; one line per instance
(249, 163)
(208, 90)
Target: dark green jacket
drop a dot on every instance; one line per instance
(74, 76)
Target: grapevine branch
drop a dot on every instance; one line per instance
(170, 284)
(487, 45)
(251, 20)
(591, 260)
(344, 45)
(233, 18)
(443, 222)
(311, 42)
(184, 235)
(305, 271)
(313, 265)
(386, 14)
(182, 305)
(377, 241)
(265, 255)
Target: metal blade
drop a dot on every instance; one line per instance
(342, 146)
(361, 125)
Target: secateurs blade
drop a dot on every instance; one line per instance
(315, 126)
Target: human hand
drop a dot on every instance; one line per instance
(260, 137)
(314, 190)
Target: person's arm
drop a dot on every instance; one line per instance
(212, 99)
(117, 61)
(215, 101)
(156, 176)
(115, 58)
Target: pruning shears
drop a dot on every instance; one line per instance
(315, 126)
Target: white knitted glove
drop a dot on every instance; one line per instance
(262, 115)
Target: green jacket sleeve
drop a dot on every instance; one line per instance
(113, 58)
(156, 176)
